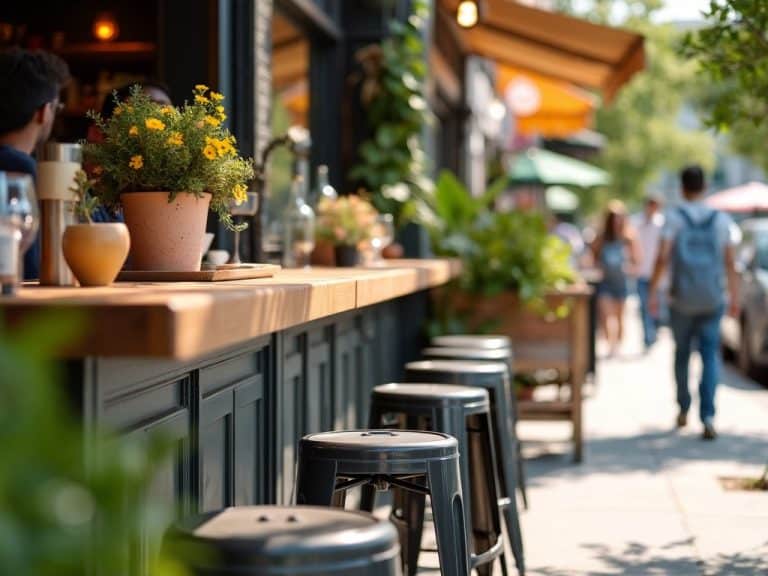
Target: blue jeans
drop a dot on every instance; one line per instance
(705, 330)
(650, 323)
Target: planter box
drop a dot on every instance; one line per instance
(540, 343)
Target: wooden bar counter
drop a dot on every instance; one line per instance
(236, 372)
(184, 320)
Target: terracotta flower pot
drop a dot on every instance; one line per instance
(323, 254)
(524, 393)
(96, 252)
(346, 255)
(165, 235)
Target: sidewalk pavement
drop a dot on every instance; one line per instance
(647, 499)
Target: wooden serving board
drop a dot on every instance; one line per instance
(218, 274)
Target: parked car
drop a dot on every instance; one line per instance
(747, 336)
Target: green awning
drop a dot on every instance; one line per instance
(542, 167)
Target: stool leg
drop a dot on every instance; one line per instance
(448, 513)
(368, 498)
(454, 422)
(507, 451)
(511, 396)
(316, 482)
(521, 473)
(484, 470)
(412, 507)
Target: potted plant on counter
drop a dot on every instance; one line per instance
(166, 167)
(506, 256)
(95, 252)
(345, 222)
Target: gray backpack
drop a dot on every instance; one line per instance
(698, 274)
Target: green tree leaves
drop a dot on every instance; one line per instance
(732, 52)
(396, 113)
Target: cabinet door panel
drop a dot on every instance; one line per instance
(216, 445)
(171, 485)
(250, 446)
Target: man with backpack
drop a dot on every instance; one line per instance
(696, 244)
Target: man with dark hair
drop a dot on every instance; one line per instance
(697, 245)
(30, 83)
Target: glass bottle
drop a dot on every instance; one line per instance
(298, 228)
(324, 189)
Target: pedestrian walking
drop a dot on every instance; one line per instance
(616, 254)
(697, 246)
(648, 226)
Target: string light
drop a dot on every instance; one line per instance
(467, 14)
(105, 27)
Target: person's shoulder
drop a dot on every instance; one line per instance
(672, 215)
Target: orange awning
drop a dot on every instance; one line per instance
(561, 109)
(553, 44)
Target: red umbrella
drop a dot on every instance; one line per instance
(751, 197)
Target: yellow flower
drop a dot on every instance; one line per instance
(133, 131)
(201, 87)
(166, 110)
(200, 99)
(154, 124)
(211, 121)
(209, 152)
(216, 97)
(223, 148)
(176, 139)
(222, 117)
(220, 109)
(137, 162)
(239, 192)
(118, 110)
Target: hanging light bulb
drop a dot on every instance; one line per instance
(105, 27)
(467, 14)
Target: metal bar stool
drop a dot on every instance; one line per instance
(285, 541)
(486, 354)
(493, 377)
(462, 412)
(425, 463)
(482, 341)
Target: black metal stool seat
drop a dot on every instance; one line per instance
(482, 341)
(471, 400)
(474, 354)
(494, 378)
(463, 412)
(425, 463)
(282, 540)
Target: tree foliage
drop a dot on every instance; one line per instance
(732, 52)
(642, 128)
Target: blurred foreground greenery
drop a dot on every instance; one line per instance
(70, 503)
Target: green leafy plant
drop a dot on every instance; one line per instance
(65, 509)
(85, 201)
(152, 147)
(392, 164)
(500, 251)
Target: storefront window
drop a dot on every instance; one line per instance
(290, 107)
